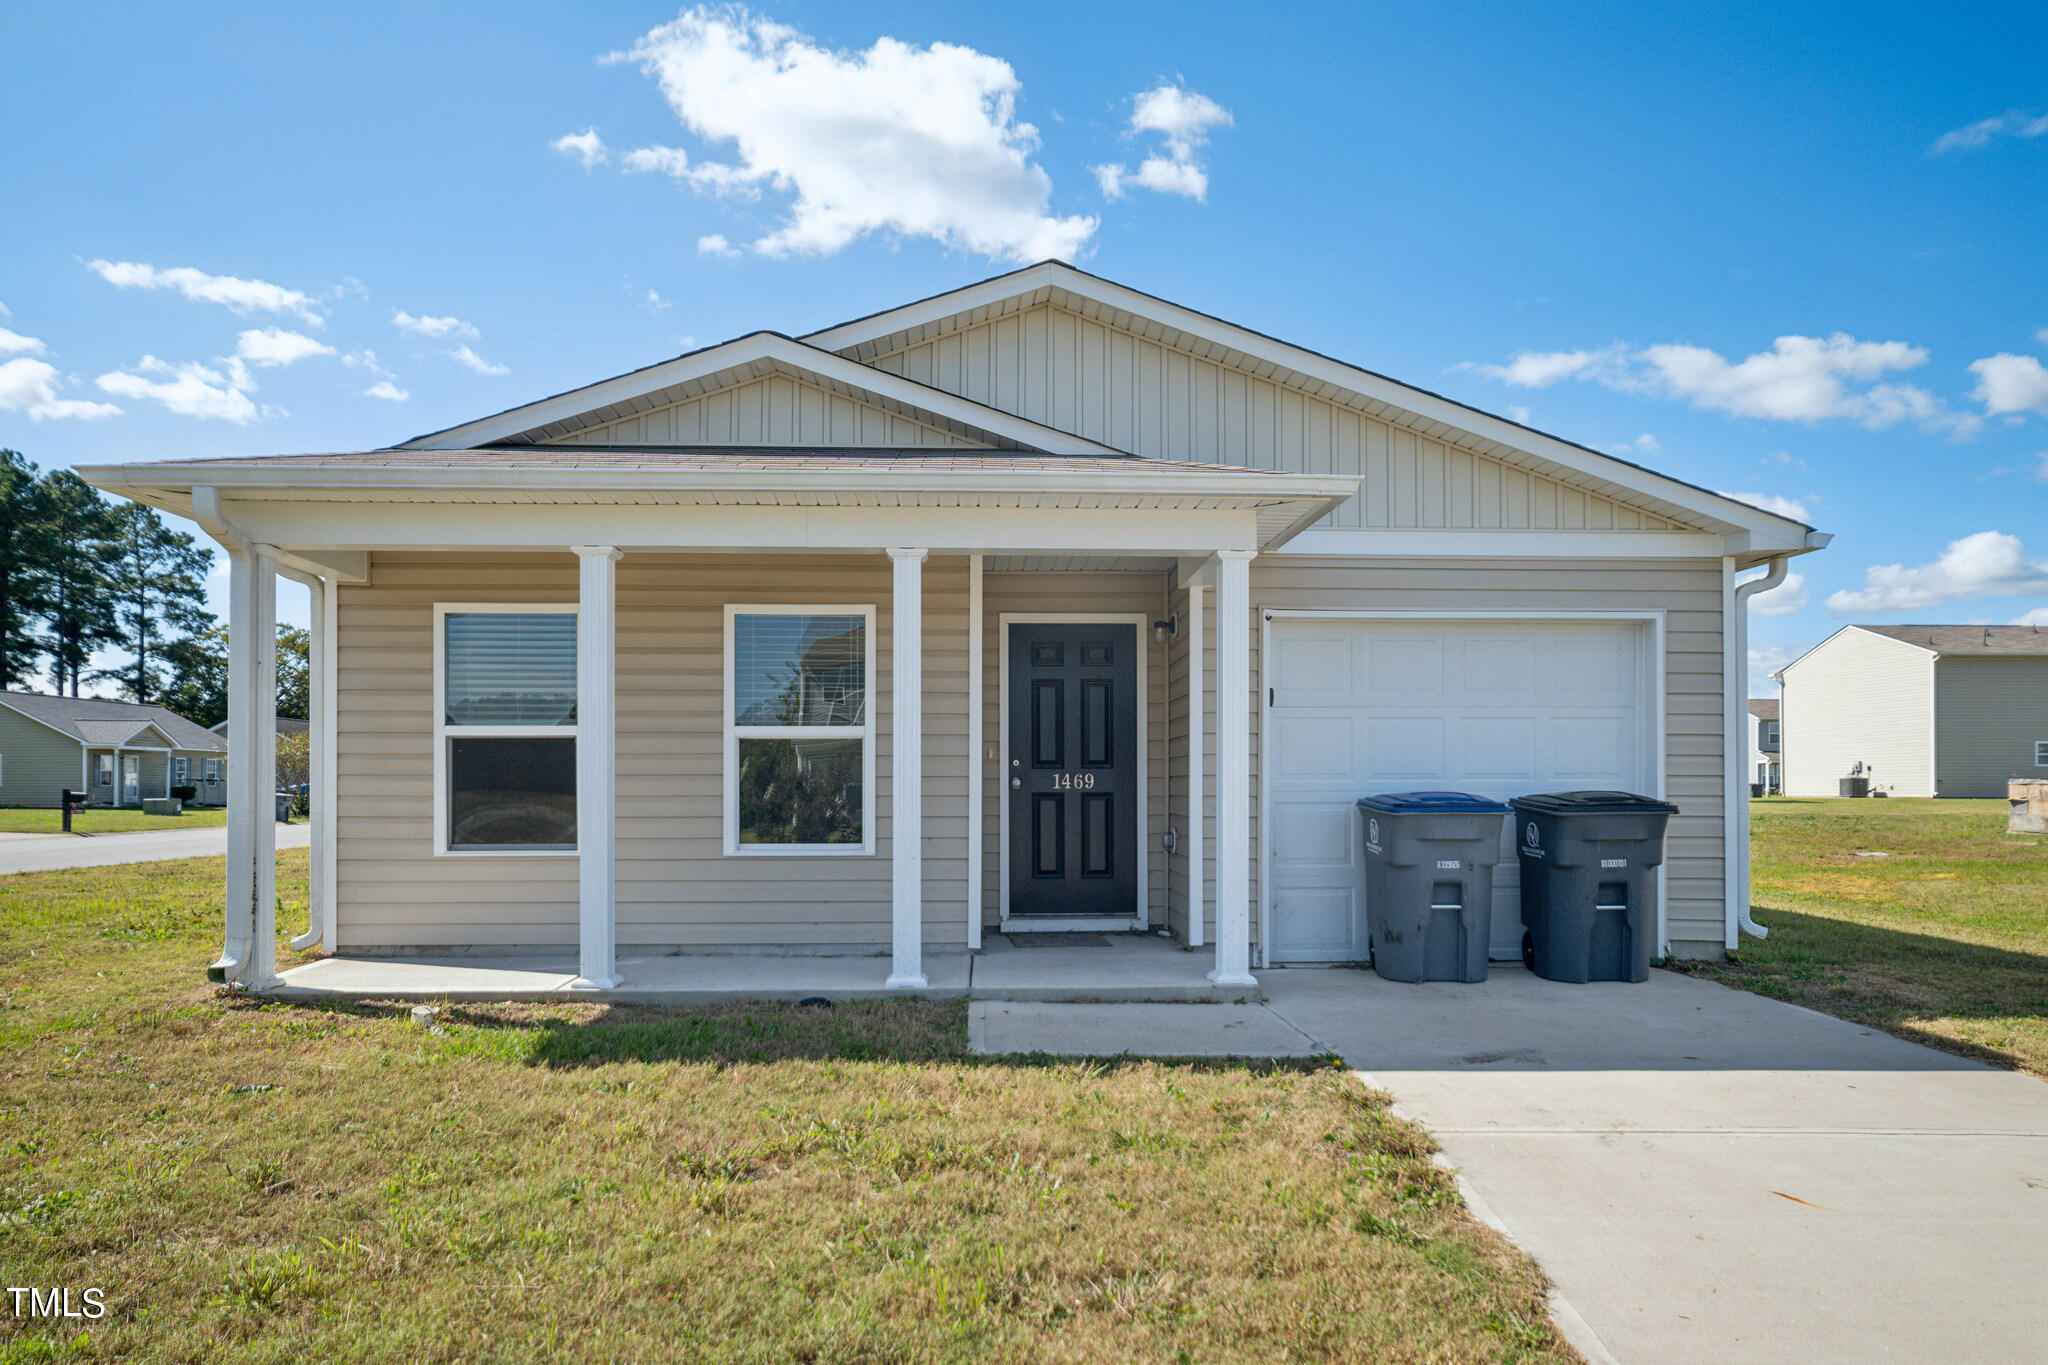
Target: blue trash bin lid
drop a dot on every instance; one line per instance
(1415, 803)
(1593, 803)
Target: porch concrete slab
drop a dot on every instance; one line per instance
(1147, 1030)
(467, 976)
(1708, 1175)
(1131, 968)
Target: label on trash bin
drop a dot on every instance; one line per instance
(1614, 862)
(1532, 841)
(1448, 864)
(1372, 834)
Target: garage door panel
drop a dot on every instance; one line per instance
(1498, 709)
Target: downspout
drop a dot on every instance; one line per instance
(1738, 744)
(239, 932)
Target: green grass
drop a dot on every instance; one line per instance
(255, 1182)
(1944, 941)
(25, 820)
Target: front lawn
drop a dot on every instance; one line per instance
(105, 820)
(761, 1183)
(1943, 939)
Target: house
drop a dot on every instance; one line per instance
(1040, 604)
(116, 752)
(1764, 740)
(1926, 710)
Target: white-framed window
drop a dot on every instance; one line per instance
(181, 771)
(210, 769)
(2041, 753)
(1770, 734)
(106, 767)
(799, 730)
(505, 728)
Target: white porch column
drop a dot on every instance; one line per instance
(1198, 686)
(1233, 769)
(249, 952)
(906, 798)
(596, 755)
(321, 763)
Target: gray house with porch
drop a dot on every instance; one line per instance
(118, 753)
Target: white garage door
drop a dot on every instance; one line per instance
(1496, 708)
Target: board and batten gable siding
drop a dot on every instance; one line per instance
(1858, 697)
(36, 762)
(676, 886)
(1688, 591)
(1989, 714)
(1079, 375)
(1059, 593)
(772, 411)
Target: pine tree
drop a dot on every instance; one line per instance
(199, 670)
(24, 548)
(157, 578)
(77, 607)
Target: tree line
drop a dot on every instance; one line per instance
(80, 575)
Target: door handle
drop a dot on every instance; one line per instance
(1016, 783)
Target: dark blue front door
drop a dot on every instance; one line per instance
(1073, 778)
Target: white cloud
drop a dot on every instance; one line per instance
(656, 303)
(5, 311)
(14, 343)
(191, 389)
(1518, 413)
(671, 161)
(1800, 379)
(386, 390)
(1765, 660)
(1971, 136)
(2037, 617)
(2010, 383)
(917, 141)
(1788, 597)
(586, 147)
(29, 387)
(1987, 564)
(235, 294)
(274, 347)
(714, 244)
(1180, 118)
(1771, 502)
(434, 328)
(1645, 444)
(2041, 470)
(470, 360)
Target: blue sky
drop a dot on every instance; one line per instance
(1603, 219)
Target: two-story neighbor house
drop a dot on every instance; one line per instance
(1765, 731)
(1927, 710)
(1043, 603)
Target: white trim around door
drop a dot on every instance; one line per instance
(1653, 712)
(1141, 624)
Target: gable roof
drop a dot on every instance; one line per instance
(753, 356)
(1764, 708)
(867, 338)
(104, 723)
(1974, 641)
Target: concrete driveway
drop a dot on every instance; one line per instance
(1706, 1175)
(50, 852)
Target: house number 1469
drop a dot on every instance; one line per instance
(1074, 781)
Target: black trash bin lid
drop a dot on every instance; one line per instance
(1593, 803)
(1416, 803)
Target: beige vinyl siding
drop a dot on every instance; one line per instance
(676, 885)
(774, 411)
(1858, 697)
(1989, 714)
(1080, 594)
(36, 762)
(1055, 367)
(1687, 591)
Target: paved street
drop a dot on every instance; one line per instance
(48, 852)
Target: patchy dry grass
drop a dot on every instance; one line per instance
(102, 820)
(765, 1183)
(1944, 940)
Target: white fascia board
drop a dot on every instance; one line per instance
(1780, 533)
(795, 356)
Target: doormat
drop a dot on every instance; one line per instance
(1057, 940)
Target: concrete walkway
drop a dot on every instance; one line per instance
(1706, 1175)
(50, 852)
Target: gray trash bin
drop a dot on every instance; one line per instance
(1429, 860)
(1589, 883)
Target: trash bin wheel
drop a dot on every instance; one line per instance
(1529, 950)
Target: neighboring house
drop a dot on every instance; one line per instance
(1764, 742)
(116, 752)
(1927, 710)
(1040, 604)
